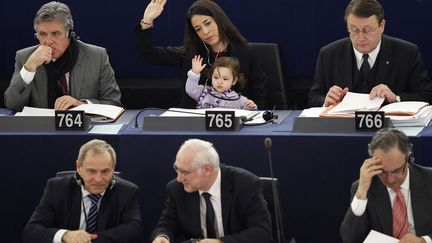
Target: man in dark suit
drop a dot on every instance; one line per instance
(212, 202)
(393, 195)
(69, 212)
(61, 72)
(369, 62)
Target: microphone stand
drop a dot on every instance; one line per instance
(278, 223)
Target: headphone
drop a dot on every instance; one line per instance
(270, 116)
(80, 182)
(73, 35)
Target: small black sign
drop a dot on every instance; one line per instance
(221, 120)
(69, 120)
(369, 120)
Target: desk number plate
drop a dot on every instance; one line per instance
(69, 120)
(220, 120)
(369, 120)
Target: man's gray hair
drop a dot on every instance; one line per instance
(205, 152)
(54, 11)
(96, 146)
(388, 138)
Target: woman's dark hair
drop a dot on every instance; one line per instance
(232, 64)
(227, 31)
(365, 9)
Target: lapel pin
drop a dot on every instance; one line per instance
(387, 62)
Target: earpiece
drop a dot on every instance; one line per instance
(113, 182)
(35, 35)
(72, 34)
(79, 181)
(411, 159)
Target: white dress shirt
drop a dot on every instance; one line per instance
(358, 206)
(84, 212)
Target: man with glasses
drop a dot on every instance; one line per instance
(369, 62)
(393, 195)
(212, 202)
(61, 72)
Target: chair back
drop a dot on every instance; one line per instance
(272, 67)
(268, 196)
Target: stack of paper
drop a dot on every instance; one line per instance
(420, 119)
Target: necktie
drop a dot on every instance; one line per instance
(400, 218)
(93, 213)
(365, 67)
(210, 216)
(63, 84)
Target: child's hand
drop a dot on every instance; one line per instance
(250, 105)
(196, 64)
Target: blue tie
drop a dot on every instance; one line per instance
(210, 217)
(93, 213)
(365, 67)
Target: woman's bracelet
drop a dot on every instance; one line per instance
(144, 24)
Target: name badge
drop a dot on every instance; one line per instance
(69, 120)
(221, 121)
(369, 120)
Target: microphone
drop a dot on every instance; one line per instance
(160, 109)
(268, 145)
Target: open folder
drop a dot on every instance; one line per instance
(353, 102)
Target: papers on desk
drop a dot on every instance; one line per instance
(33, 111)
(252, 117)
(402, 114)
(375, 236)
(98, 112)
(355, 102)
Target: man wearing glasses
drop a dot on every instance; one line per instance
(369, 62)
(210, 202)
(393, 195)
(61, 71)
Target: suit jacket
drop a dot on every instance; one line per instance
(378, 214)
(244, 213)
(256, 86)
(119, 218)
(399, 66)
(91, 78)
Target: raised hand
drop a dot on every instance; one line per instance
(197, 65)
(153, 10)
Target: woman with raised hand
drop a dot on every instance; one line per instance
(208, 33)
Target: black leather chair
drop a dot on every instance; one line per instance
(271, 64)
(268, 196)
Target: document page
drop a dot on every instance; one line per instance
(33, 111)
(375, 236)
(356, 102)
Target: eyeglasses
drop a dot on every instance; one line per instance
(396, 173)
(44, 35)
(184, 172)
(366, 31)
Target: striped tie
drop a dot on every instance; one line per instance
(93, 213)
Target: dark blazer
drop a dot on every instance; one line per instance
(91, 78)
(119, 217)
(378, 214)
(400, 67)
(256, 81)
(244, 213)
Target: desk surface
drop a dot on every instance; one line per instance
(309, 166)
